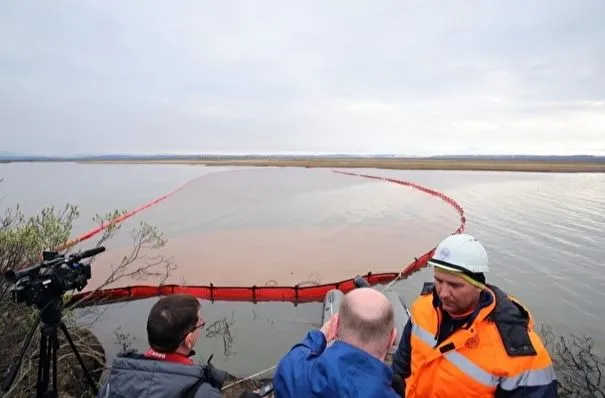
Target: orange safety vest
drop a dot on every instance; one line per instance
(473, 361)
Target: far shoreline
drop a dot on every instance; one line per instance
(536, 166)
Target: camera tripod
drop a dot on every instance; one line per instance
(50, 320)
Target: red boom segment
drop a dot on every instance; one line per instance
(294, 294)
(96, 230)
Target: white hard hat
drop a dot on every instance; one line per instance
(459, 253)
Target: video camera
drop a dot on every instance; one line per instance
(44, 285)
(50, 278)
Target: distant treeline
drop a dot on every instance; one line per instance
(4, 157)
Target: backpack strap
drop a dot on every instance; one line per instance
(190, 393)
(210, 375)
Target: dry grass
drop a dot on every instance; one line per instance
(398, 164)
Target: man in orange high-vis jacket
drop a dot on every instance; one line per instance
(465, 338)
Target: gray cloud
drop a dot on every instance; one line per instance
(382, 76)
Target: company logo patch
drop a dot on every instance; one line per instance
(156, 354)
(473, 342)
(444, 253)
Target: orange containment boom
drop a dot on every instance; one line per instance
(295, 294)
(116, 220)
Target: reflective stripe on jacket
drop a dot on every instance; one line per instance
(497, 355)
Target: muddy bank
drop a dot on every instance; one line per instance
(71, 380)
(536, 166)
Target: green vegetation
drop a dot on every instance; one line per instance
(22, 239)
(21, 242)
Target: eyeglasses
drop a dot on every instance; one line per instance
(199, 326)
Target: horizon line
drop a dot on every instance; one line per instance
(141, 156)
(8, 154)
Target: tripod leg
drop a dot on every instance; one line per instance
(55, 344)
(43, 362)
(14, 368)
(91, 382)
(51, 346)
(41, 357)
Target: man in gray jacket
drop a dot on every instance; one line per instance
(166, 370)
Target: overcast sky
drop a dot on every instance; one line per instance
(413, 77)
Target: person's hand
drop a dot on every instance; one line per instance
(330, 327)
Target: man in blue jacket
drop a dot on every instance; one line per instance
(362, 333)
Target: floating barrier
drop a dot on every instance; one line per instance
(294, 294)
(116, 220)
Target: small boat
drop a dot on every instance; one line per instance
(334, 297)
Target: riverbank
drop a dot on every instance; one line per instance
(536, 166)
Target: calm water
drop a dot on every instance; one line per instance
(544, 233)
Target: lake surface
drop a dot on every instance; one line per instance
(545, 235)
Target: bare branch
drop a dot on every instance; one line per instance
(222, 328)
(579, 369)
(139, 264)
(21, 242)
